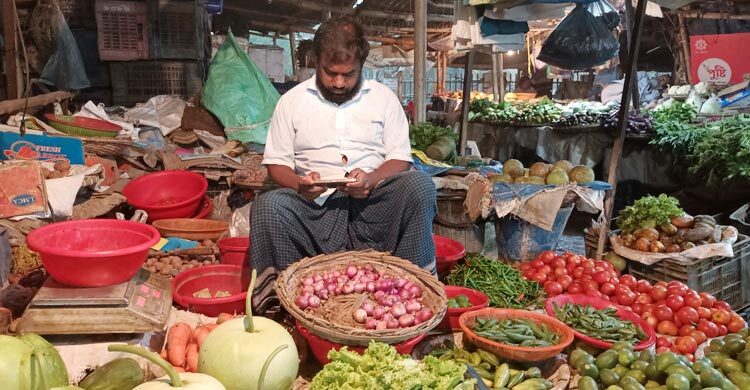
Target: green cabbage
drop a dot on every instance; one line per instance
(30, 363)
(381, 367)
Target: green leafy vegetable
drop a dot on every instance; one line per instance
(723, 154)
(381, 367)
(649, 212)
(425, 133)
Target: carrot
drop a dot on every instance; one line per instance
(164, 354)
(179, 369)
(211, 326)
(199, 334)
(224, 317)
(177, 341)
(192, 358)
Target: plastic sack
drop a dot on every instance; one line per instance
(65, 69)
(580, 41)
(605, 12)
(239, 94)
(712, 106)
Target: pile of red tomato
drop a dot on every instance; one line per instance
(672, 309)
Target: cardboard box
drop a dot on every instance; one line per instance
(22, 189)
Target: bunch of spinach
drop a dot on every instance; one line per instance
(723, 155)
(425, 133)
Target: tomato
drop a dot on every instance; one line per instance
(722, 330)
(698, 336)
(553, 288)
(537, 264)
(546, 269)
(663, 341)
(675, 349)
(575, 288)
(735, 324)
(686, 329)
(677, 322)
(565, 281)
(589, 286)
(559, 271)
(668, 328)
(677, 283)
(601, 277)
(622, 289)
(688, 315)
(675, 302)
(547, 256)
(663, 313)
(595, 294)
(587, 264)
(570, 268)
(525, 266)
(613, 275)
(637, 307)
(585, 277)
(539, 277)
(661, 283)
(643, 286)
(690, 357)
(573, 260)
(651, 320)
(723, 305)
(675, 290)
(721, 317)
(626, 299)
(658, 292)
(708, 328)
(692, 299)
(707, 299)
(649, 308)
(704, 312)
(628, 280)
(644, 299)
(662, 350)
(558, 262)
(686, 344)
(577, 272)
(607, 288)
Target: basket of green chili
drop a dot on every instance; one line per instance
(516, 334)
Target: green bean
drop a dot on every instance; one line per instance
(515, 332)
(602, 324)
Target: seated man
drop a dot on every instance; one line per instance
(338, 125)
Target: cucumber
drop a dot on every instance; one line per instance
(119, 374)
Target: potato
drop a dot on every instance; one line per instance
(707, 219)
(666, 240)
(206, 262)
(55, 175)
(649, 234)
(684, 221)
(698, 233)
(158, 266)
(167, 268)
(207, 243)
(642, 244)
(628, 239)
(150, 261)
(657, 247)
(668, 228)
(674, 248)
(62, 165)
(193, 262)
(176, 261)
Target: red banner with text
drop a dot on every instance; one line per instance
(719, 58)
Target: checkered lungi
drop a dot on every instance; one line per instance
(285, 227)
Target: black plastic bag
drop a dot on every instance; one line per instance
(605, 12)
(580, 41)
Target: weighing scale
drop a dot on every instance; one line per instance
(140, 305)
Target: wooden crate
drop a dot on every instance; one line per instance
(453, 222)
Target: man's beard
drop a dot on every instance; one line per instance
(339, 98)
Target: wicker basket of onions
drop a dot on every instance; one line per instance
(354, 297)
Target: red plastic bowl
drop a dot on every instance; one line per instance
(233, 250)
(93, 252)
(167, 194)
(320, 346)
(218, 277)
(447, 253)
(207, 206)
(596, 303)
(477, 299)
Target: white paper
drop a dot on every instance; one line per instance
(163, 112)
(61, 194)
(91, 110)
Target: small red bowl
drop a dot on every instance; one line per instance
(447, 253)
(233, 250)
(207, 206)
(477, 299)
(167, 194)
(218, 277)
(320, 346)
(622, 312)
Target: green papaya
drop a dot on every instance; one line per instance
(119, 374)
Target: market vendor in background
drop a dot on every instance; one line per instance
(332, 126)
(524, 85)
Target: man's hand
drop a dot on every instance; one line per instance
(362, 187)
(306, 187)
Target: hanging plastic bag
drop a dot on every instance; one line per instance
(239, 94)
(580, 41)
(65, 69)
(605, 12)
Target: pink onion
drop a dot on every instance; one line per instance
(379, 294)
(413, 307)
(319, 285)
(399, 283)
(323, 294)
(398, 310)
(351, 271)
(302, 302)
(384, 285)
(370, 286)
(314, 302)
(337, 291)
(392, 323)
(415, 291)
(359, 287)
(406, 320)
(367, 267)
(336, 274)
(422, 316)
(348, 288)
(378, 312)
(371, 323)
(342, 279)
(368, 307)
(359, 274)
(375, 277)
(308, 281)
(382, 325)
(317, 278)
(360, 315)
(308, 289)
(408, 285)
(389, 300)
(404, 295)
(331, 287)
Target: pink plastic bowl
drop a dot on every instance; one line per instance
(218, 277)
(167, 194)
(233, 250)
(477, 299)
(93, 252)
